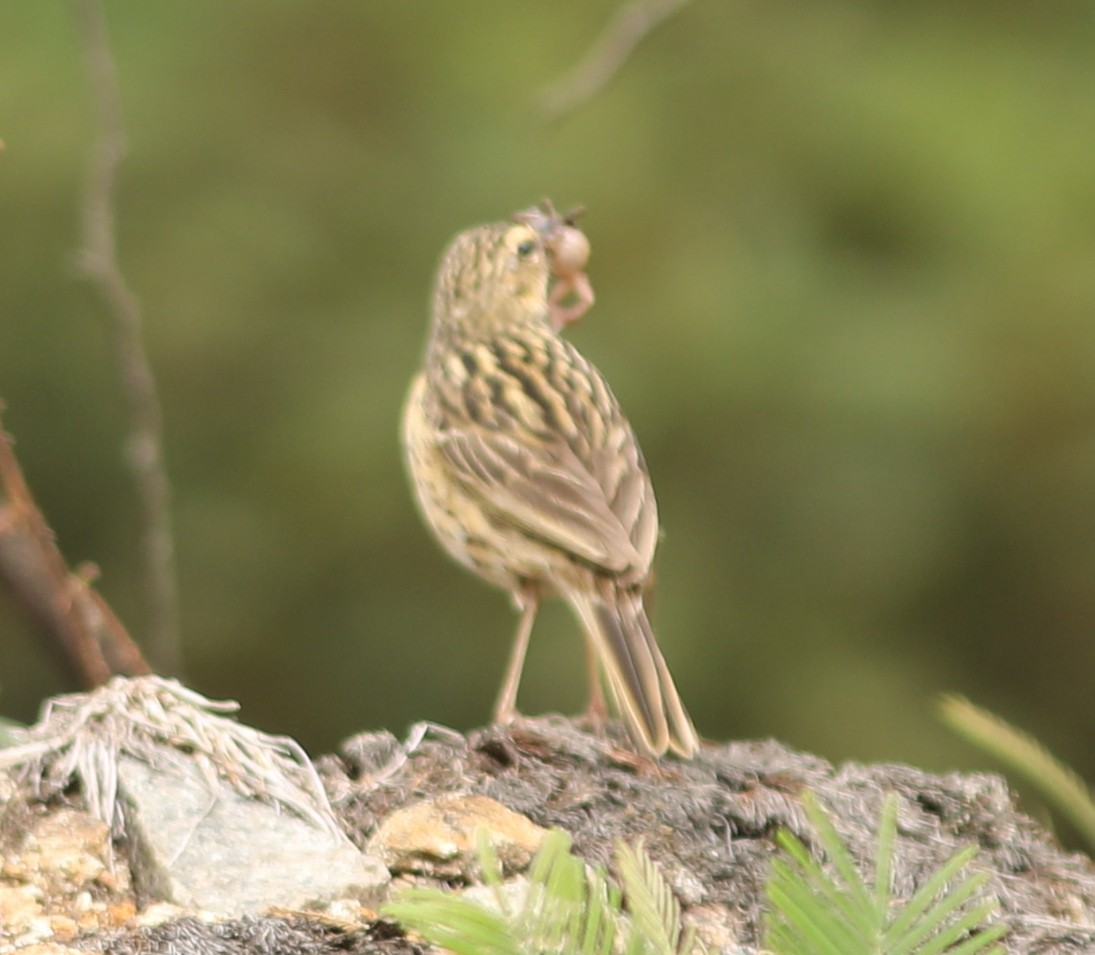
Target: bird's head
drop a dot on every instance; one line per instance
(493, 276)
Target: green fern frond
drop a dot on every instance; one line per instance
(460, 925)
(1024, 755)
(568, 909)
(815, 913)
(655, 911)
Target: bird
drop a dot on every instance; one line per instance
(525, 468)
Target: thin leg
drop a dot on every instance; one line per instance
(576, 285)
(505, 710)
(596, 709)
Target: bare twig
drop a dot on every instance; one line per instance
(90, 641)
(98, 260)
(627, 28)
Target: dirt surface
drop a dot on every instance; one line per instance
(709, 823)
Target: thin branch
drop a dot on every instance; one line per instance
(98, 260)
(82, 630)
(605, 57)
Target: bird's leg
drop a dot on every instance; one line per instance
(528, 602)
(596, 708)
(576, 284)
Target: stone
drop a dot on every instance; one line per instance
(438, 837)
(198, 843)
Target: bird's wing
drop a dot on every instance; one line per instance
(550, 493)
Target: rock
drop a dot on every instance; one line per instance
(48, 948)
(60, 879)
(68, 850)
(20, 909)
(437, 837)
(199, 844)
(715, 929)
(709, 823)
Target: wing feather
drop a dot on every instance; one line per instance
(546, 491)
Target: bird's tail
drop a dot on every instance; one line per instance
(637, 674)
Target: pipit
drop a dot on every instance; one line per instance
(526, 469)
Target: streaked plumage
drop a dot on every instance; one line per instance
(529, 474)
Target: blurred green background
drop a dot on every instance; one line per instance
(845, 262)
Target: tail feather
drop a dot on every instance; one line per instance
(637, 674)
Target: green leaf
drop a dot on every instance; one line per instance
(806, 926)
(569, 909)
(883, 867)
(655, 912)
(818, 912)
(860, 922)
(1025, 756)
(920, 906)
(453, 923)
(839, 855)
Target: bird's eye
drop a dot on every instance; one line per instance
(525, 248)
